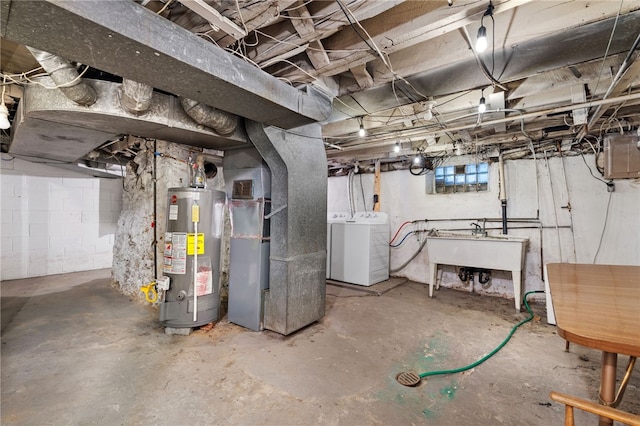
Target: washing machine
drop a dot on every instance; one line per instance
(335, 217)
(360, 249)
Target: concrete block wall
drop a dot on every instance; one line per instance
(55, 221)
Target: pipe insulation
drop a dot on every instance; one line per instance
(135, 97)
(66, 77)
(222, 122)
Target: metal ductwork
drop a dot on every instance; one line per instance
(222, 122)
(297, 261)
(135, 97)
(144, 47)
(48, 126)
(66, 77)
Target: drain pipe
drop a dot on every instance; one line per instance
(222, 122)
(66, 77)
(135, 97)
(503, 195)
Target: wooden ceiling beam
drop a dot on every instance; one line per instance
(303, 23)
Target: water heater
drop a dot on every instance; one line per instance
(192, 243)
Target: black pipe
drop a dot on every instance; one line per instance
(155, 212)
(504, 217)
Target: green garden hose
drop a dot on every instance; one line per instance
(412, 379)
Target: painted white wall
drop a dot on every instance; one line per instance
(55, 221)
(535, 189)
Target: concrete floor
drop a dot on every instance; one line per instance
(75, 351)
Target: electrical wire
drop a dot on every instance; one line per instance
(604, 227)
(606, 52)
(494, 351)
(591, 171)
(364, 199)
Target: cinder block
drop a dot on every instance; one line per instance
(6, 246)
(24, 244)
(13, 203)
(48, 255)
(178, 331)
(80, 262)
(79, 182)
(37, 216)
(6, 216)
(90, 216)
(14, 230)
(37, 229)
(72, 204)
(103, 260)
(13, 267)
(63, 217)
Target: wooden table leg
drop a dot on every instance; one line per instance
(608, 383)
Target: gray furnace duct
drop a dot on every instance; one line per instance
(193, 237)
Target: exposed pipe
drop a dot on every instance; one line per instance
(421, 131)
(66, 77)
(623, 68)
(135, 97)
(220, 121)
(503, 195)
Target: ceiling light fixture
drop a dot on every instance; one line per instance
(417, 160)
(396, 148)
(481, 41)
(361, 132)
(4, 112)
(428, 114)
(482, 106)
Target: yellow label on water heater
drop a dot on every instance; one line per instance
(190, 241)
(195, 213)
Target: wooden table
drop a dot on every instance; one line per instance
(598, 306)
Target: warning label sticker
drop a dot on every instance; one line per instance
(175, 253)
(173, 212)
(190, 244)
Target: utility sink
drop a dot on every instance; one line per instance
(501, 252)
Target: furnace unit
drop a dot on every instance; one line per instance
(248, 184)
(195, 219)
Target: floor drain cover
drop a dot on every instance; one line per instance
(408, 378)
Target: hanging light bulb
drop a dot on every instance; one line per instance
(417, 160)
(4, 112)
(4, 117)
(361, 132)
(482, 106)
(396, 148)
(481, 41)
(428, 113)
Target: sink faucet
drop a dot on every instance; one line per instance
(478, 230)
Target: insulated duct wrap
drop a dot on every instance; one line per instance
(220, 121)
(135, 97)
(66, 77)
